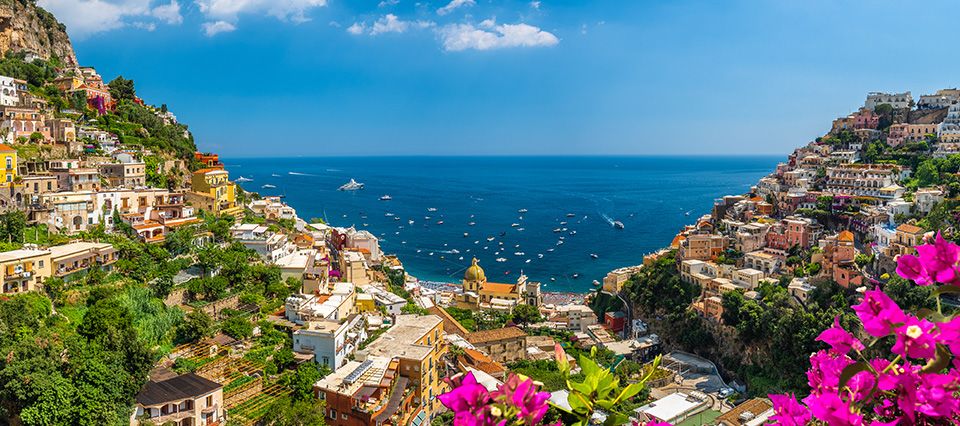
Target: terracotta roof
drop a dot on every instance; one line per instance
(481, 361)
(910, 229)
(450, 324)
(845, 236)
(498, 288)
(496, 334)
(677, 240)
(6, 148)
(755, 406)
(208, 170)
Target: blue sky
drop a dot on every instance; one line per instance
(397, 77)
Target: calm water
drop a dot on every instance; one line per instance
(653, 197)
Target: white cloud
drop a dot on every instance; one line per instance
(149, 26)
(169, 13)
(454, 4)
(535, 4)
(388, 23)
(213, 28)
(458, 37)
(285, 10)
(386, 3)
(356, 29)
(86, 17)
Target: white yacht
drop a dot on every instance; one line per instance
(351, 186)
(386, 198)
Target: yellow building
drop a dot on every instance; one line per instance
(365, 303)
(8, 159)
(418, 342)
(479, 293)
(23, 270)
(212, 191)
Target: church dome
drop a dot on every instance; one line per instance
(474, 272)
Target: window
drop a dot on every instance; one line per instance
(333, 414)
(326, 361)
(209, 400)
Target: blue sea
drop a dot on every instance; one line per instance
(653, 197)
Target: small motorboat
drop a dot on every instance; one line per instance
(431, 209)
(522, 211)
(594, 256)
(385, 198)
(268, 186)
(466, 234)
(571, 215)
(618, 224)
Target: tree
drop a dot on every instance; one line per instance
(121, 88)
(301, 383)
(237, 327)
(927, 173)
(196, 325)
(291, 412)
(283, 358)
(526, 314)
(12, 226)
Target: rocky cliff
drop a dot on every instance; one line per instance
(26, 27)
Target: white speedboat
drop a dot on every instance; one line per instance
(268, 186)
(514, 225)
(242, 179)
(490, 238)
(521, 211)
(386, 198)
(594, 256)
(501, 260)
(431, 209)
(351, 186)
(618, 224)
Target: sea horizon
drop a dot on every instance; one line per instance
(654, 196)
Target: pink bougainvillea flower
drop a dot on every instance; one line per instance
(950, 335)
(878, 313)
(469, 402)
(789, 412)
(861, 385)
(829, 408)
(825, 369)
(939, 259)
(936, 395)
(910, 267)
(523, 395)
(916, 338)
(840, 340)
(903, 381)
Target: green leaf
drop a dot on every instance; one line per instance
(941, 361)
(579, 403)
(851, 370)
(615, 419)
(924, 313)
(945, 289)
(629, 392)
(581, 387)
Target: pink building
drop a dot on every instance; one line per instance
(866, 119)
(798, 232)
(897, 135)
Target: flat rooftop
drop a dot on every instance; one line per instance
(399, 340)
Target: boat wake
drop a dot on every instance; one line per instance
(607, 218)
(299, 174)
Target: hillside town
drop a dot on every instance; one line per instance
(142, 286)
